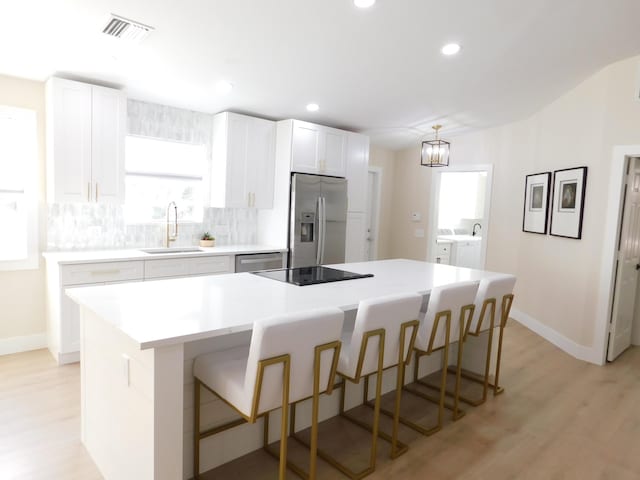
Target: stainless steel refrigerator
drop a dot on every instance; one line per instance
(318, 220)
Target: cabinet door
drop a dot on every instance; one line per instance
(69, 141)
(261, 162)
(356, 237)
(237, 194)
(332, 152)
(108, 128)
(305, 147)
(357, 171)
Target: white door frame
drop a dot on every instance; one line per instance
(373, 247)
(609, 249)
(433, 206)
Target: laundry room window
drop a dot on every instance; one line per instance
(160, 171)
(18, 189)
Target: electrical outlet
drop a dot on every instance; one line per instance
(418, 233)
(416, 216)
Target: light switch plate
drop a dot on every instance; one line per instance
(416, 216)
(126, 372)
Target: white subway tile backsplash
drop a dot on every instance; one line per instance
(95, 227)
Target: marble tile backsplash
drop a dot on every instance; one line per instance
(98, 227)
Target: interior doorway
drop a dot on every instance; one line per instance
(459, 215)
(374, 188)
(624, 328)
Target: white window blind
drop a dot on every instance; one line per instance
(18, 189)
(161, 171)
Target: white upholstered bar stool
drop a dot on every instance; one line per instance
(495, 295)
(449, 309)
(290, 357)
(383, 336)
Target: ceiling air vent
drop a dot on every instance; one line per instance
(126, 29)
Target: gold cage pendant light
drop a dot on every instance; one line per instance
(435, 153)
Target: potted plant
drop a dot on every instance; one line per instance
(207, 240)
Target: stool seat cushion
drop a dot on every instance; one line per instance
(447, 297)
(233, 373)
(223, 372)
(494, 287)
(387, 313)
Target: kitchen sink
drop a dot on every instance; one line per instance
(171, 250)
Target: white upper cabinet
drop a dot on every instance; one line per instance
(86, 126)
(243, 161)
(357, 171)
(318, 149)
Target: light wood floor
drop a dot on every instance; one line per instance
(558, 419)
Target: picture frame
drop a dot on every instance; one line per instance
(567, 211)
(536, 203)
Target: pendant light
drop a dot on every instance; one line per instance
(435, 153)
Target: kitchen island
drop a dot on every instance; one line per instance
(138, 342)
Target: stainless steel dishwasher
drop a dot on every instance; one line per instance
(259, 261)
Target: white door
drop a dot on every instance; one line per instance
(373, 209)
(357, 165)
(355, 237)
(628, 264)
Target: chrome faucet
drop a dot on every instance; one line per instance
(474, 233)
(174, 237)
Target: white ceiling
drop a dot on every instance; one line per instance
(379, 70)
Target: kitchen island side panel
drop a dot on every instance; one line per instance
(129, 399)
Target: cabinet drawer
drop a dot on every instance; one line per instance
(180, 267)
(101, 272)
(169, 267)
(205, 265)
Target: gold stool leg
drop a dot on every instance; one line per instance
(196, 429)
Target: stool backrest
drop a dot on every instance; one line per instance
(447, 297)
(387, 313)
(495, 287)
(296, 335)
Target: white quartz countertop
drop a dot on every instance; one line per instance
(138, 254)
(167, 312)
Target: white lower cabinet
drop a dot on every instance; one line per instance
(63, 315)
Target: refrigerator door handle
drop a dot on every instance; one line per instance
(323, 231)
(320, 228)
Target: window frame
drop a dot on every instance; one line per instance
(30, 191)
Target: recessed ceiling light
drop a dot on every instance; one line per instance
(450, 49)
(313, 107)
(224, 87)
(363, 3)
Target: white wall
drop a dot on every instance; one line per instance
(558, 279)
(22, 321)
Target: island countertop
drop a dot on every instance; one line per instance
(168, 312)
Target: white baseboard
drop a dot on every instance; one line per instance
(23, 344)
(581, 352)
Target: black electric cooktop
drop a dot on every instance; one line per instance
(302, 276)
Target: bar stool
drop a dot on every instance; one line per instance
(290, 358)
(437, 328)
(384, 333)
(490, 291)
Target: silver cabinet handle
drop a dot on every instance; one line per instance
(105, 272)
(96, 192)
(88, 191)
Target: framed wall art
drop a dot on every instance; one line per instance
(569, 187)
(536, 203)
